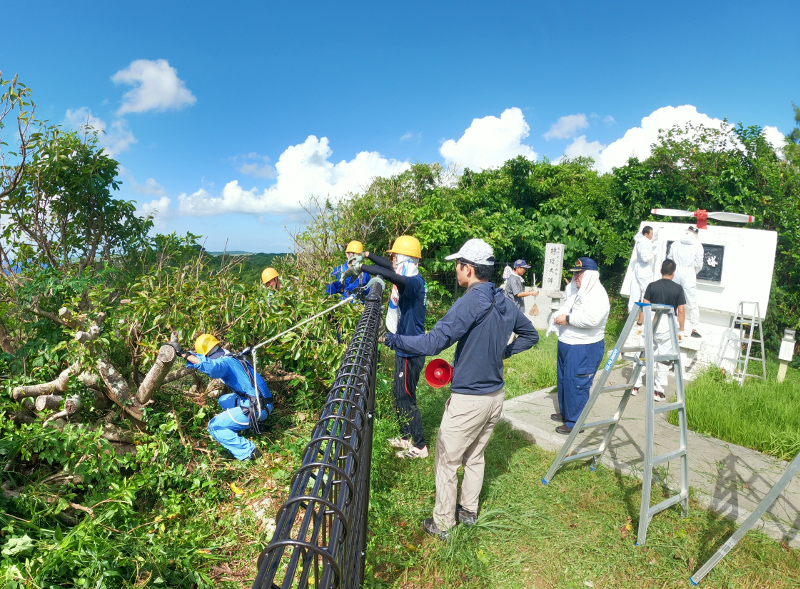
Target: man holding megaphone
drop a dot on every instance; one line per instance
(480, 322)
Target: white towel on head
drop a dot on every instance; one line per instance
(404, 266)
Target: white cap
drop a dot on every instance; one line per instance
(476, 251)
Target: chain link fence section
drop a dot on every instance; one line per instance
(321, 530)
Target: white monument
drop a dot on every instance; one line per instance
(551, 286)
(737, 266)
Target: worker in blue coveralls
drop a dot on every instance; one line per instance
(240, 406)
(351, 283)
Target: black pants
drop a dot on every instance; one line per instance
(404, 387)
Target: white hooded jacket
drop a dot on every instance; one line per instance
(588, 310)
(644, 253)
(687, 253)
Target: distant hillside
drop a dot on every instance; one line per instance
(251, 267)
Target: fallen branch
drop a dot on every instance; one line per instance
(48, 402)
(156, 375)
(178, 374)
(59, 385)
(118, 389)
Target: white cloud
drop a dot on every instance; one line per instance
(567, 126)
(302, 171)
(150, 186)
(490, 142)
(609, 120)
(776, 139)
(408, 136)
(159, 209)
(157, 87)
(581, 147)
(260, 168)
(116, 138)
(637, 141)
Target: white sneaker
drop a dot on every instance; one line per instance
(659, 396)
(635, 391)
(414, 452)
(401, 443)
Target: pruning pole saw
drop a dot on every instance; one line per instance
(251, 350)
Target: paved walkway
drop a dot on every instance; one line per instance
(726, 478)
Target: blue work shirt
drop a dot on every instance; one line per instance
(351, 283)
(229, 370)
(482, 333)
(413, 304)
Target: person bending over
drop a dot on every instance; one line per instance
(240, 406)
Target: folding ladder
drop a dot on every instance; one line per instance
(741, 338)
(765, 504)
(650, 324)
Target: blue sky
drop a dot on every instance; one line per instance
(217, 112)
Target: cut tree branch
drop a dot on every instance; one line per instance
(59, 385)
(156, 375)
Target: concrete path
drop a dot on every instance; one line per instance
(726, 478)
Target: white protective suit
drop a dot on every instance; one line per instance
(644, 254)
(588, 310)
(688, 255)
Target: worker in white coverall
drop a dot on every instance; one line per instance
(644, 252)
(688, 255)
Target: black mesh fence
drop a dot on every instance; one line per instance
(322, 527)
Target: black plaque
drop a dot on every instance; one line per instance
(712, 262)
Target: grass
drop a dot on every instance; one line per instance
(579, 531)
(760, 415)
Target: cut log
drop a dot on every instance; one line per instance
(59, 385)
(113, 433)
(118, 390)
(72, 405)
(49, 402)
(91, 381)
(156, 375)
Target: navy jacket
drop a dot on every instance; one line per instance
(482, 332)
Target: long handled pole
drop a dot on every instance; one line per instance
(281, 334)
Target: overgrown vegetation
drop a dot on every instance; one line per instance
(759, 415)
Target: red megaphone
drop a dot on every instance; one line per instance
(438, 373)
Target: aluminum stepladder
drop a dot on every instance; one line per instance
(740, 373)
(765, 504)
(650, 323)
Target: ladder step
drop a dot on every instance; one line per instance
(667, 358)
(600, 423)
(620, 387)
(581, 456)
(635, 349)
(664, 505)
(668, 456)
(669, 407)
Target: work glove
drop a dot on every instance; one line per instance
(176, 346)
(390, 339)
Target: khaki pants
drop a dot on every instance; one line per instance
(466, 428)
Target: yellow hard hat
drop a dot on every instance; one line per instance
(407, 245)
(354, 247)
(268, 274)
(205, 343)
